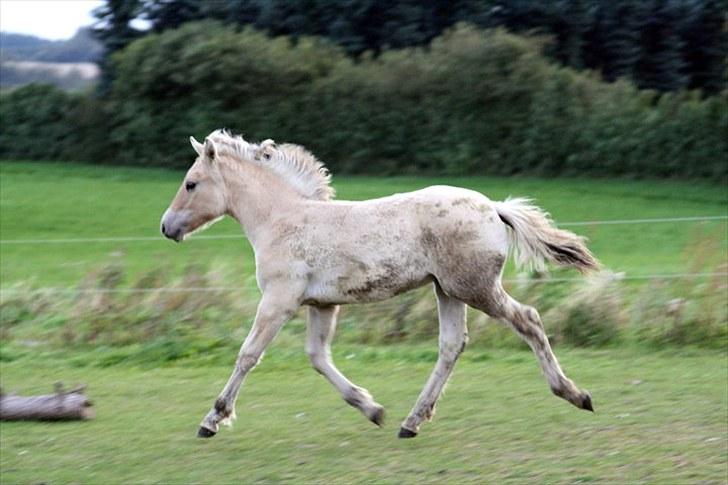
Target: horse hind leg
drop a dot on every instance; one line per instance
(321, 327)
(453, 337)
(526, 322)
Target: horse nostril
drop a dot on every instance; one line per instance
(163, 231)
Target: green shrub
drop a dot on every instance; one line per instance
(485, 102)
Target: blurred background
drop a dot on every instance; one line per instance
(613, 115)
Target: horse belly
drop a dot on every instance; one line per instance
(364, 287)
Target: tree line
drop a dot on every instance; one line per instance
(666, 45)
(471, 102)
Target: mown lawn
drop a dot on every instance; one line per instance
(62, 200)
(660, 418)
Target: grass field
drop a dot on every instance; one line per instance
(59, 201)
(662, 415)
(660, 418)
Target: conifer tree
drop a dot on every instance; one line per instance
(661, 66)
(113, 28)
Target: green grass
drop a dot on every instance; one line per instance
(661, 418)
(661, 415)
(62, 200)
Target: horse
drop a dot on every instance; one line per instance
(314, 251)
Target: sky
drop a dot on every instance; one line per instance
(50, 19)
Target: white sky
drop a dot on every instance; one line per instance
(50, 19)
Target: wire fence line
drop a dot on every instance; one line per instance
(69, 290)
(220, 289)
(643, 221)
(78, 240)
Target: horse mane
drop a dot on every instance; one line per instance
(293, 163)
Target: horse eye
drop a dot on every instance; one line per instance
(190, 186)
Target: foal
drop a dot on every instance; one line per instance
(310, 250)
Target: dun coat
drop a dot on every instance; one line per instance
(315, 251)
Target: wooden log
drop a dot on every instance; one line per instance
(63, 405)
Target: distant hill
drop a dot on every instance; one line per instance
(19, 46)
(68, 64)
(71, 76)
(82, 47)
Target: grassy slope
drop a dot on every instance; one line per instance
(661, 418)
(39, 200)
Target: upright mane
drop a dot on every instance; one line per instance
(293, 163)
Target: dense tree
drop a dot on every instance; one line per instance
(662, 44)
(705, 43)
(571, 20)
(614, 41)
(661, 65)
(357, 25)
(113, 28)
(170, 14)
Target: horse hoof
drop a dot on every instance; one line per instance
(205, 433)
(378, 417)
(586, 403)
(406, 433)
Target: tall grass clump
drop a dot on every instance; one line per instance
(157, 313)
(593, 315)
(684, 313)
(163, 317)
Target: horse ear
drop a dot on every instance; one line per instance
(209, 149)
(196, 145)
(265, 149)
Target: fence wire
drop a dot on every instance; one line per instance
(215, 289)
(79, 240)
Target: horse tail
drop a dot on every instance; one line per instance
(536, 239)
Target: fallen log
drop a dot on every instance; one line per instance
(63, 405)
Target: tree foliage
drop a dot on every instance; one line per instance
(114, 30)
(472, 102)
(660, 44)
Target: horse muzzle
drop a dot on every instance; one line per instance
(173, 226)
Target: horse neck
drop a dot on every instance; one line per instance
(254, 195)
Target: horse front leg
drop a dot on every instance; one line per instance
(274, 309)
(453, 337)
(321, 327)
